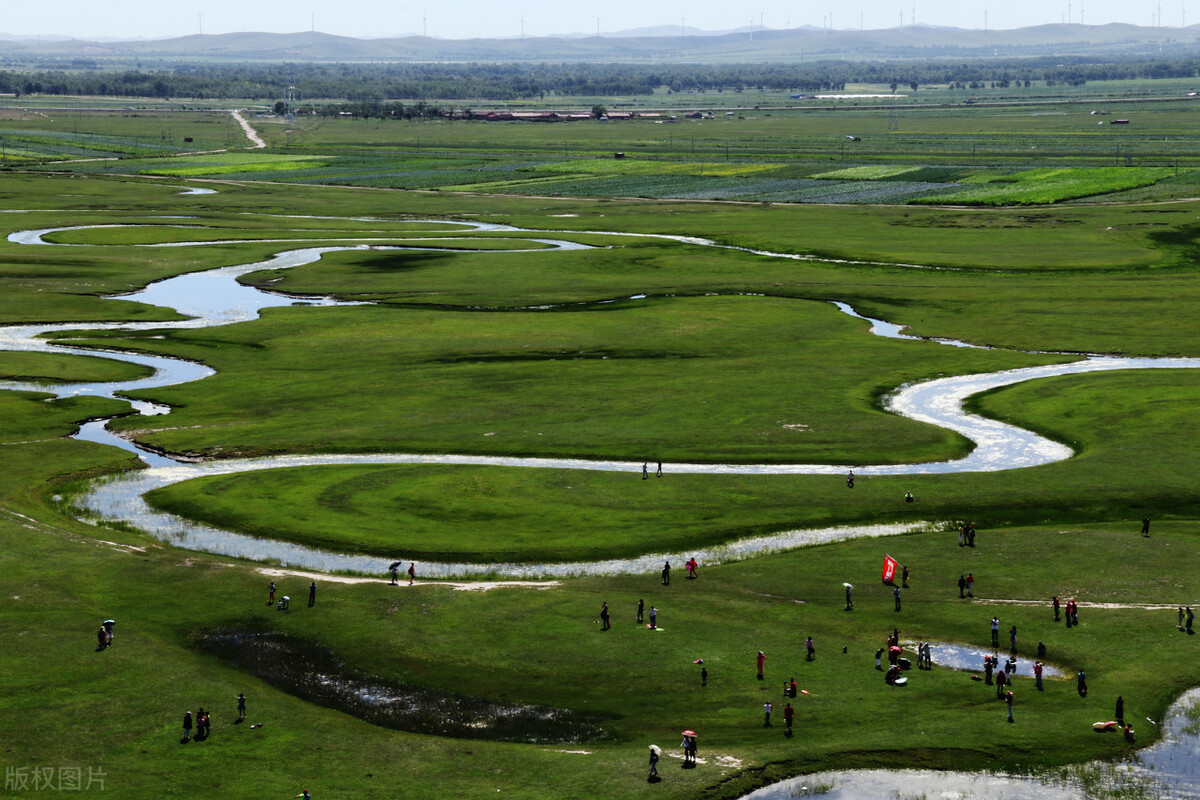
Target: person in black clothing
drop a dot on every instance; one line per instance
(1120, 715)
(1145, 526)
(641, 608)
(666, 574)
(604, 617)
(312, 594)
(962, 585)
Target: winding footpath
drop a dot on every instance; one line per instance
(214, 297)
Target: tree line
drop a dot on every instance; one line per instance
(389, 83)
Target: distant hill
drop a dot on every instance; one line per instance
(659, 45)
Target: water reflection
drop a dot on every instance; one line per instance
(1167, 769)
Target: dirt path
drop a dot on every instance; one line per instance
(251, 134)
(462, 586)
(1085, 604)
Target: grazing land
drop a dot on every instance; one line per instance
(685, 330)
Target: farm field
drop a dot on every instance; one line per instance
(491, 319)
(1009, 148)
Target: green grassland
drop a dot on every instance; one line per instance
(726, 356)
(949, 153)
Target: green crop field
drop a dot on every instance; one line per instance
(689, 322)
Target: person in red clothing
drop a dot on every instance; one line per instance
(762, 659)
(412, 573)
(788, 714)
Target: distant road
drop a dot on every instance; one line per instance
(251, 134)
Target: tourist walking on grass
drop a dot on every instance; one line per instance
(658, 471)
(1055, 603)
(789, 714)
(1037, 675)
(849, 600)
(896, 595)
(850, 479)
(653, 763)
(201, 724)
(1001, 682)
(812, 650)
(970, 584)
(641, 608)
(1012, 639)
(995, 631)
(653, 617)
(241, 706)
(666, 573)
(187, 726)
(1146, 526)
(767, 714)
(762, 659)
(904, 577)
(1081, 684)
(412, 573)
(704, 676)
(312, 594)
(1008, 698)
(1190, 618)
(962, 586)
(1120, 715)
(645, 471)
(605, 625)
(1179, 624)
(271, 594)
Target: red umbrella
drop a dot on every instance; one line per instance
(689, 733)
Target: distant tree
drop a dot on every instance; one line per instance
(913, 86)
(280, 107)
(894, 85)
(598, 112)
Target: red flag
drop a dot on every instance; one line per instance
(889, 569)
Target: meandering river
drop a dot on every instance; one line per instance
(215, 297)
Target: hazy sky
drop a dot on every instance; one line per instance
(459, 19)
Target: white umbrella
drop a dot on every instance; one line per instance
(656, 749)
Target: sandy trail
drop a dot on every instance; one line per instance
(462, 586)
(251, 134)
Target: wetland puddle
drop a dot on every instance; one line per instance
(315, 674)
(1168, 770)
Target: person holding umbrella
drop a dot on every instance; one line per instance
(108, 631)
(393, 571)
(689, 749)
(655, 750)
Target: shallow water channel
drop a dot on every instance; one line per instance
(215, 297)
(1168, 770)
